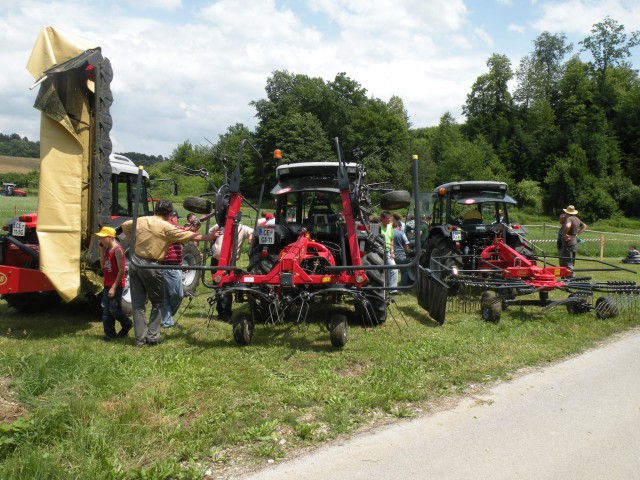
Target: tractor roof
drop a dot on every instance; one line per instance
(474, 185)
(311, 176)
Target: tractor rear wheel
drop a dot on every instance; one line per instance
(376, 311)
(443, 261)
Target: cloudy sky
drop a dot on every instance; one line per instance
(187, 69)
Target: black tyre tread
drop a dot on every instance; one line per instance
(376, 298)
(338, 330)
(491, 306)
(243, 329)
(606, 307)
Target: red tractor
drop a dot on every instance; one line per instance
(10, 189)
(318, 252)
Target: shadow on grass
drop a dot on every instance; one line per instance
(58, 321)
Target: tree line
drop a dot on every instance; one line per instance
(12, 145)
(558, 129)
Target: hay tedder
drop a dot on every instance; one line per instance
(319, 254)
(500, 276)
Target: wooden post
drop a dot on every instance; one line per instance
(601, 248)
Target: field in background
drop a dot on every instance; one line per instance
(18, 164)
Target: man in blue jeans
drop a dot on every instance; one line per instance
(401, 249)
(173, 293)
(386, 230)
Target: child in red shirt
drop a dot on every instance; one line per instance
(112, 262)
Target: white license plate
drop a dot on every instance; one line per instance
(266, 236)
(19, 229)
(456, 236)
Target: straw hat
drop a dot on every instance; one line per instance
(571, 210)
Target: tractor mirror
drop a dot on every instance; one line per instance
(197, 205)
(395, 200)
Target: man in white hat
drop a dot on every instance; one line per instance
(572, 227)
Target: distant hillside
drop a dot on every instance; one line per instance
(18, 164)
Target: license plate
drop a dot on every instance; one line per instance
(19, 229)
(456, 236)
(266, 236)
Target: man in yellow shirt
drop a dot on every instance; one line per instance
(154, 235)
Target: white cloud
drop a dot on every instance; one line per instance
(188, 71)
(514, 27)
(579, 16)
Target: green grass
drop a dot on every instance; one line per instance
(200, 402)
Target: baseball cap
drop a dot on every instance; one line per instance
(106, 232)
(175, 214)
(269, 216)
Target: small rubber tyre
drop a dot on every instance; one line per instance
(191, 256)
(338, 330)
(579, 307)
(197, 205)
(490, 307)
(395, 200)
(606, 307)
(243, 329)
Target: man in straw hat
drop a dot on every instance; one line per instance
(572, 227)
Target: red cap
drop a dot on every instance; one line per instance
(269, 216)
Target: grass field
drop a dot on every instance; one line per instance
(199, 405)
(18, 164)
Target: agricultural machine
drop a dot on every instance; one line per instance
(320, 253)
(52, 254)
(10, 189)
(473, 251)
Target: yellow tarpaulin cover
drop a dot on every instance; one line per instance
(65, 156)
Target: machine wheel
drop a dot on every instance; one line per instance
(490, 307)
(190, 278)
(577, 308)
(606, 307)
(243, 329)
(338, 330)
(32, 302)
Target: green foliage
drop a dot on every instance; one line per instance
(14, 146)
(528, 193)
